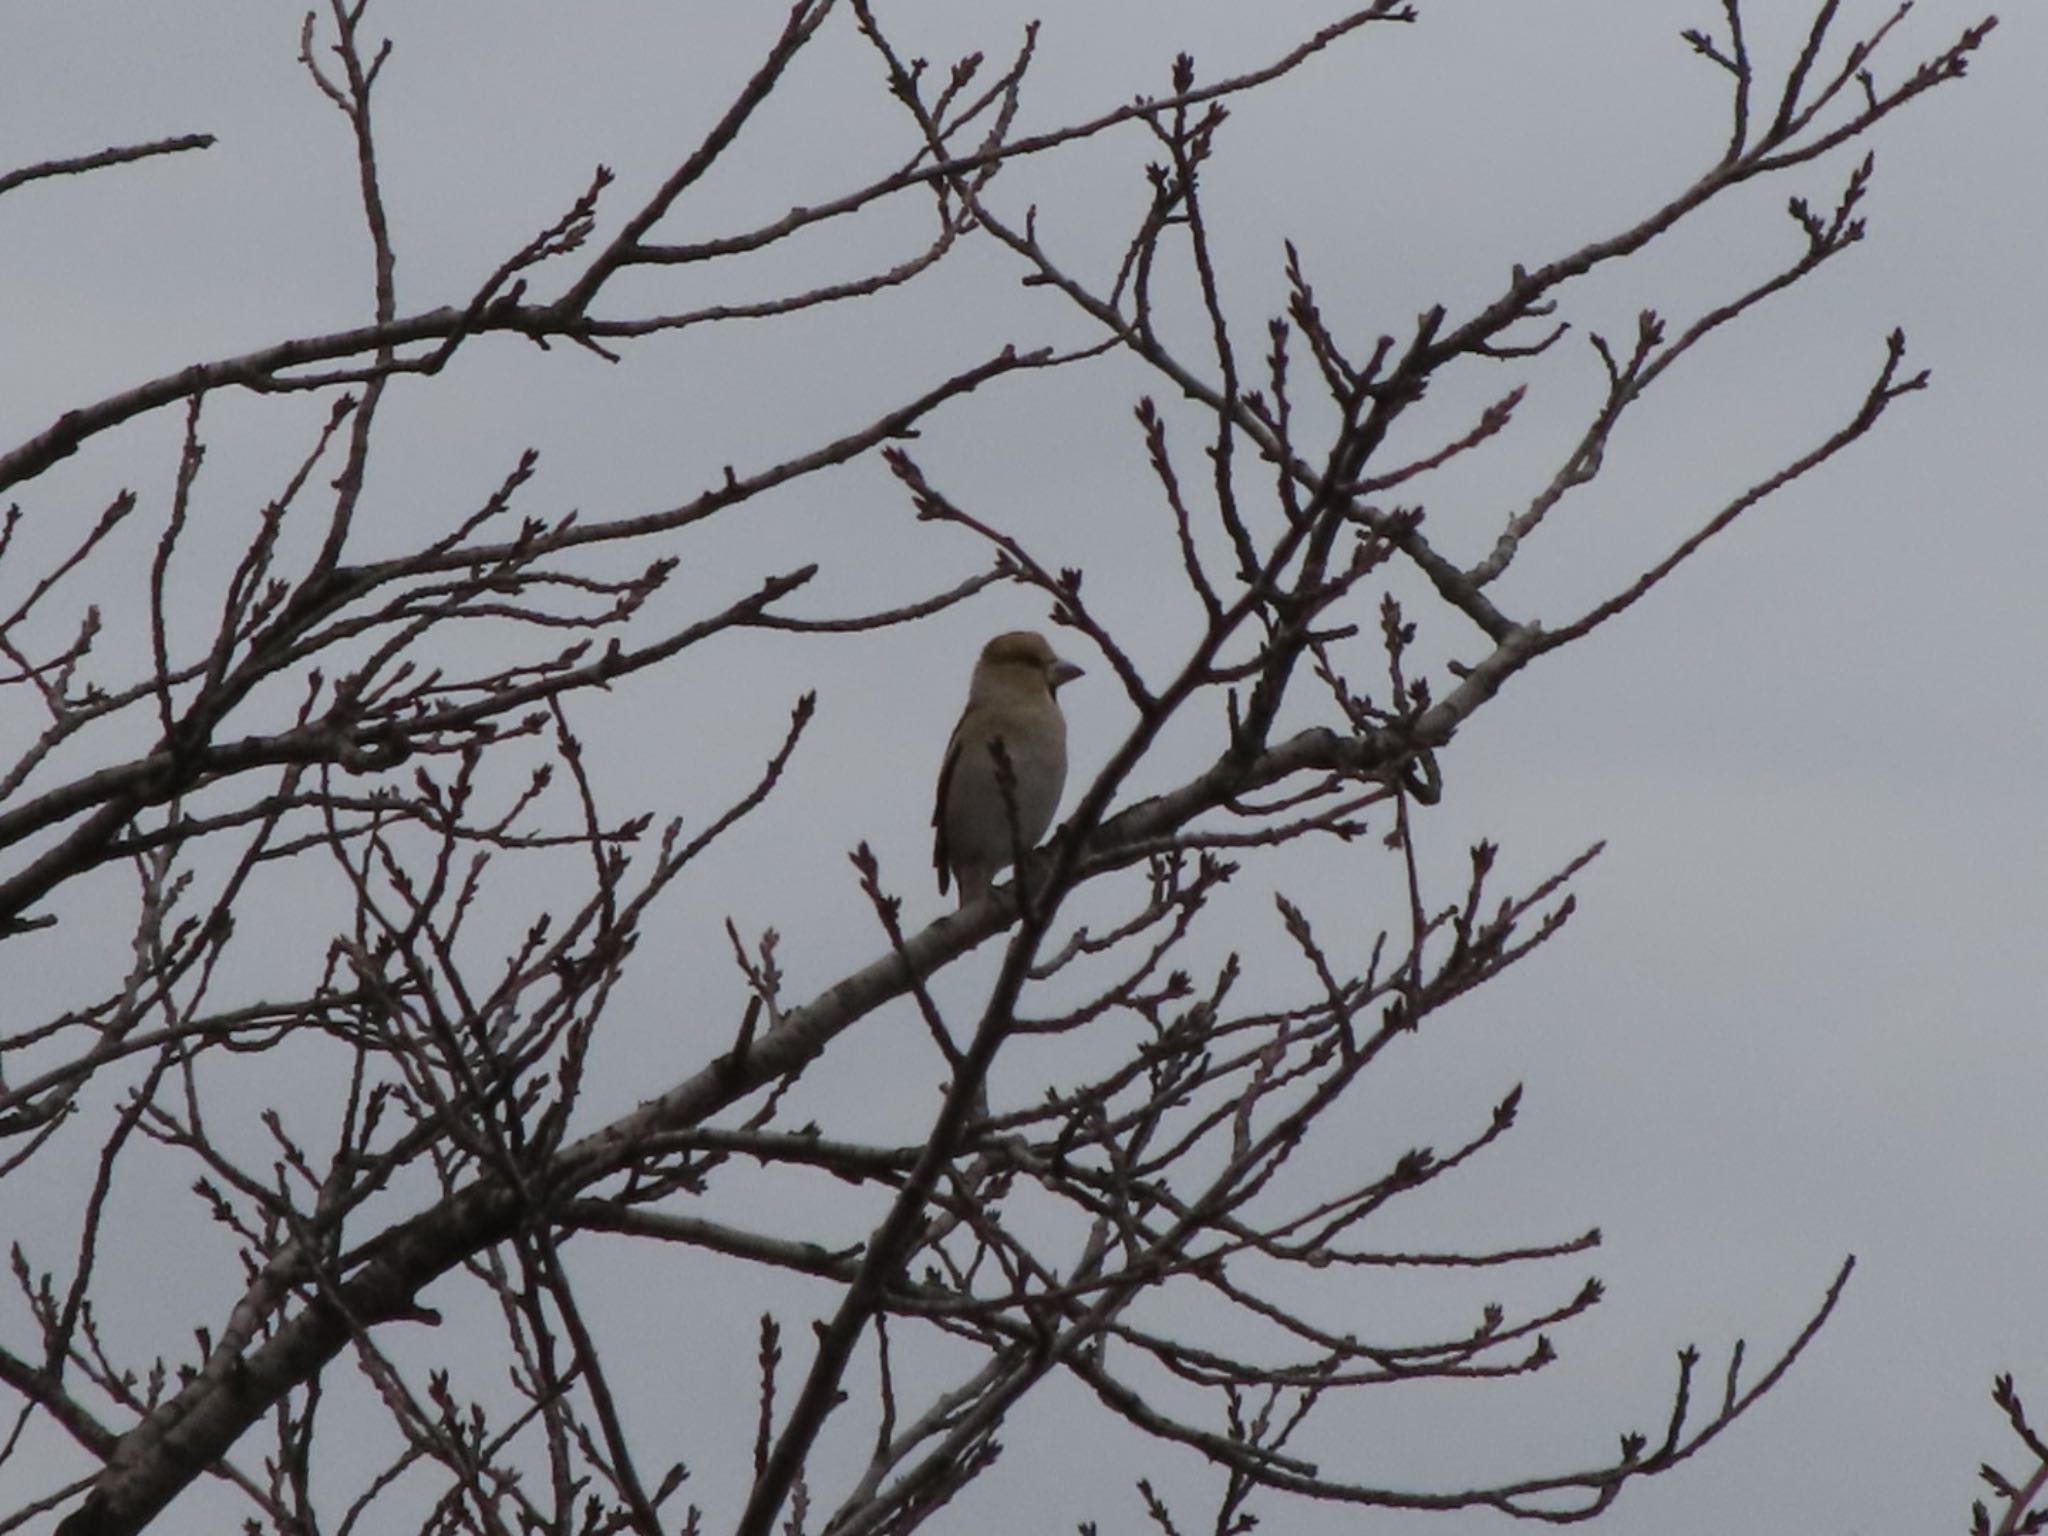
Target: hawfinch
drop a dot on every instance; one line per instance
(1009, 700)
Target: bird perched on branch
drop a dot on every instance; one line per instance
(1011, 719)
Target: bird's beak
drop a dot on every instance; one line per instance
(1063, 672)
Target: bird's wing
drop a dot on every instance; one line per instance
(941, 855)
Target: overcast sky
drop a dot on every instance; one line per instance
(1800, 1012)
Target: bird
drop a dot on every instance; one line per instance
(1010, 699)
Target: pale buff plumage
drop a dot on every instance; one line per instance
(1010, 700)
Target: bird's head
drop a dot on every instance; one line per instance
(1023, 656)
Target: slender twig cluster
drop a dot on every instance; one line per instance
(383, 744)
(2023, 1513)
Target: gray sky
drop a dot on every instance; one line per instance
(1799, 1013)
